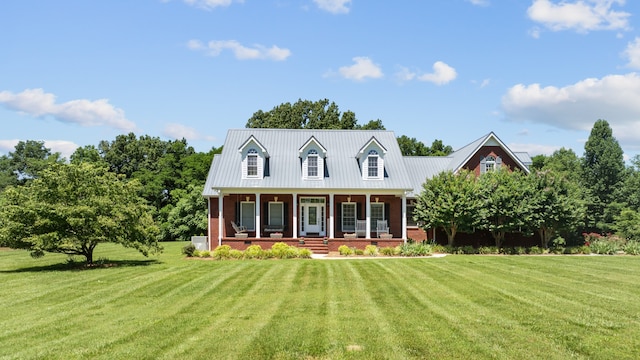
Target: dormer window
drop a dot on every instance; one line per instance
(252, 163)
(312, 160)
(312, 163)
(255, 159)
(372, 162)
(370, 158)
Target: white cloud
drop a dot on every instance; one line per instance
(211, 4)
(479, 2)
(442, 74)
(65, 148)
(581, 15)
(334, 6)
(405, 74)
(179, 131)
(632, 53)
(36, 102)
(533, 149)
(214, 48)
(615, 98)
(362, 69)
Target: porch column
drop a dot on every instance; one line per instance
(295, 215)
(331, 219)
(220, 218)
(368, 215)
(258, 206)
(404, 217)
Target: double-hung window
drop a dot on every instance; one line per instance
(248, 215)
(372, 164)
(276, 214)
(377, 213)
(348, 217)
(312, 164)
(252, 163)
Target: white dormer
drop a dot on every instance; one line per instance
(371, 159)
(253, 156)
(312, 155)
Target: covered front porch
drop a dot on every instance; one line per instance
(242, 219)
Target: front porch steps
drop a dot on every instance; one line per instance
(316, 246)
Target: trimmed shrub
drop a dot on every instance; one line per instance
(486, 250)
(371, 250)
(415, 249)
(236, 254)
(188, 250)
(440, 249)
(254, 252)
(603, 247)
(205, 254)
(388, 251)
(344, 250)
(305, 253)
(281, 250)
(632, 247)
(358, 251)
(222, 252)
(536, 250)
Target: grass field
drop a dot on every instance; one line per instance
(457, 307)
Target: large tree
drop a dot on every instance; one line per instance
(504, 202)
(188, 217)
(449, 201)
(412, 147)
(553, 204)
(70, 209)
(603, 172)
(304, 114)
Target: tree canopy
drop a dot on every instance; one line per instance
(603, 172)
(72, 208)
(449, 201)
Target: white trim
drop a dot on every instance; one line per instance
(295, 215)
(404, 218)
(332, 232)
(368, 215)
(258, 222)
(220, 218)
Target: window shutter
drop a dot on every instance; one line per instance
(387, 208)
(265, 213)
(285, 213)
(380, 167)
(320, 167)
(365, 167)
(305, 172)
(260, 166)
(498, 163)
(244, 168)
(340, 214)
(237, 219)
(483, 161)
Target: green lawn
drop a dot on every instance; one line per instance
(505, 307)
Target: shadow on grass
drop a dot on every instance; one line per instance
(77, 266)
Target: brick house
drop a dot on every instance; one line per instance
(349, 187)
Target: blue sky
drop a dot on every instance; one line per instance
(538, 73)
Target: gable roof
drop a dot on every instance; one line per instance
(406, 173)
(285, 172)
(421, 168)
(312, 139)
(372, 140)
(254, 140)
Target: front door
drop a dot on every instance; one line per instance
(312, 211)
(312, 219)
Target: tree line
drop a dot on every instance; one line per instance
(562, 197)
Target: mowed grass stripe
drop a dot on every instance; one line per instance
(178, 320)
(110, 309)
(558, 313)
(455, 314)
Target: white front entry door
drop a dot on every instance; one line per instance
(313, 219)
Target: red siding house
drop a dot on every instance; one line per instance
(328, 187)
